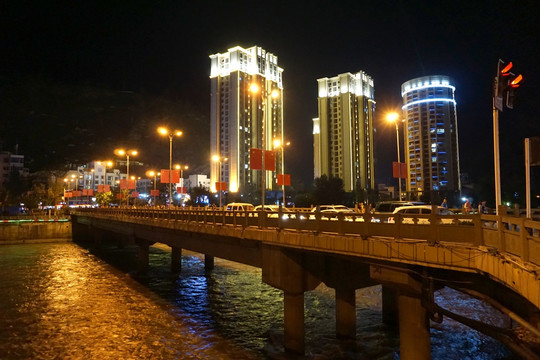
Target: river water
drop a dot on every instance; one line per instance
(61, 301)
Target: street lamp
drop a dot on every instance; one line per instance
(274, 94)
(155, 174)
(165, 132)
(181, 168)
(394, 118)
(279, 145)
(126, 153)
(219, 159)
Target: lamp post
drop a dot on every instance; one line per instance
(274, 94)
(165, 132)
(393, 118)
(218, 159)
(279, 145)
(181, 168)
(126, 153)
(152, 173)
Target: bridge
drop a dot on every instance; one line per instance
(492, 257)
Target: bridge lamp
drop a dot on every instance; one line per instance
(171, 134)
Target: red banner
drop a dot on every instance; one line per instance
(165, 176)
(85, 192)
(221, 186)
(123, 184)
(284, 179)
(154, 192)
(68, 194)
(181, 190)
(90, 192)
(119, 196)
(255, 159)
(100, 188)
(131, 185)
(77, 193)
(396, 170)
(106, 188)
(270, 160)
(134, 194)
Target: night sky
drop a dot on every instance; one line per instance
(163, 47)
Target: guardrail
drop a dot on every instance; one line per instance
(514, 235)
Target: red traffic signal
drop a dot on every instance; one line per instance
(516, 81)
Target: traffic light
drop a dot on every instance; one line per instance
(506, 83)
(513, 84)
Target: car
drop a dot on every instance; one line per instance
(388, 207)
(239, 207)
(329, 212)
(410, 211)
(274, 209)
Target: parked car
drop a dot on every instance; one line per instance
(420, 210)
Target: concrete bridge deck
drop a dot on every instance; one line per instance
(297, 251)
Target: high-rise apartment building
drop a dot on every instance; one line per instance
(431, 136)
(343, 132)
(246, 112)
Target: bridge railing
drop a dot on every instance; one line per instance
(515, 235)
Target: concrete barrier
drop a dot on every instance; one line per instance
(34, 231)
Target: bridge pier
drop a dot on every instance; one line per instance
(143, 256)
(208, 262)
(390, 306)
(345, 313)
(285, 269)
(176, 259)
(414, 341)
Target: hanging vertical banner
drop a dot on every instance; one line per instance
(100, 188)
(84, 192)
(221, 186)
(68, 194)
(123, 184)
(175, 176)
(269, 160)
(106, 188)
(255, 159)
(284, 179)
(131, 185)
(90, 192)
(119, 196)
(134, 194)
(181, 190)
(396, 170)
(164, 176)
(77, 193)
(154, 192)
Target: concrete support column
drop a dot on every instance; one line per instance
(176, 259)
(413, 328)
(142, 258)
(389, 306)
(208, 262)
(345, 313)
(293, 321)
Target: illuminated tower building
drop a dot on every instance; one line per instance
(431, 137)
(246, 111)
(343, 132)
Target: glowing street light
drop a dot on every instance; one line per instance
(165, 132)
(278, 145)
(393, 117)
(219, 159)
(127, 154)
(152, 173)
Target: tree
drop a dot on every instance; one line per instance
(104, 198)
(329, 190)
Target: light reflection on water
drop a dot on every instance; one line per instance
(61, 302)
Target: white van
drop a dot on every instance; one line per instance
(239, 207)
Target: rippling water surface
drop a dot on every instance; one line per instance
(60, 301)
